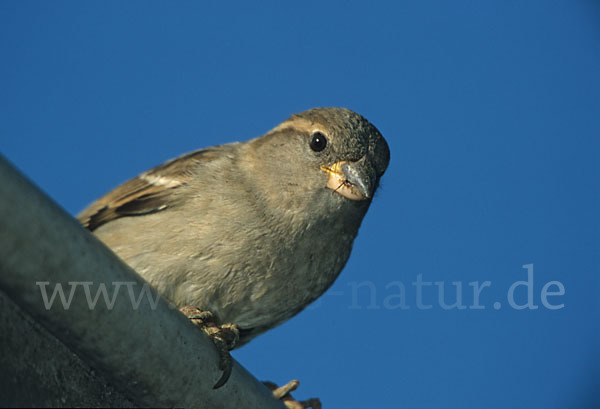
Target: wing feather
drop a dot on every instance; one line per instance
(146, 193)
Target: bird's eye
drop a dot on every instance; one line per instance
(318, 141)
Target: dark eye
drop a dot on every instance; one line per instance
(318, 141)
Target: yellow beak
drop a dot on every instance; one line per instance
(347, 181)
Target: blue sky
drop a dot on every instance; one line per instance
(492, 113)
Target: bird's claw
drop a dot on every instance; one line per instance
(225, 338)
(283, 394)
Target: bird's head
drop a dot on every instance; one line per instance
(329, 157)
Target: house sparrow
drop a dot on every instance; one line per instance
(252, 232)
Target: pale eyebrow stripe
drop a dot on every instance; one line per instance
(301, 124)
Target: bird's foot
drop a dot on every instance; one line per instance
(225, 337)
(283, 394)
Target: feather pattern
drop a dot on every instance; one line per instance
(150, 192)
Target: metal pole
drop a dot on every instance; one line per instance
(151, 352)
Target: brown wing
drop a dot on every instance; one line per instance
(146, 193)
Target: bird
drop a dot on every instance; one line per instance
(249, 232)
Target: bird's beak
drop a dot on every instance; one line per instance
(353, 180)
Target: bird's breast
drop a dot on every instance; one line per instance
(283, 273)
